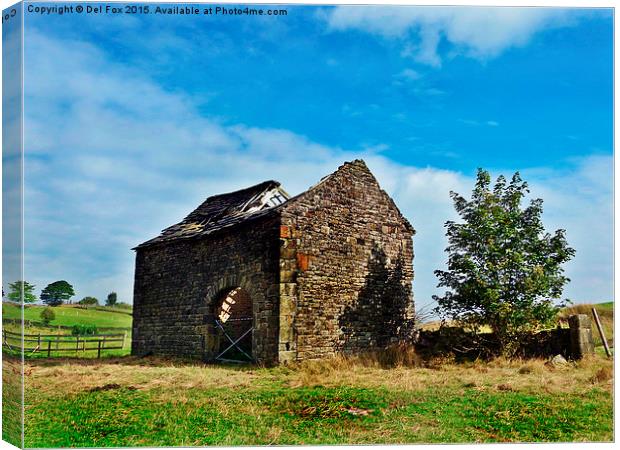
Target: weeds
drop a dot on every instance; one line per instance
(603, 374)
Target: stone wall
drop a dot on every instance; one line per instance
(346, 268)
(179, 286)
(574, 342)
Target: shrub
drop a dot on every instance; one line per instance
(47, 315)
(89, 301)
(83, 330)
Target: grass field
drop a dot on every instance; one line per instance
(107, 320)
(128, 401)
(67, 315)
(156, 402)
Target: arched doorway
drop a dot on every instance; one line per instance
(234, 323)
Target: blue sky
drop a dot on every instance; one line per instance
(131, 121)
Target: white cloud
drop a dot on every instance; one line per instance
(475, 123)
(477, 32)
(109, 170)
(409, 74)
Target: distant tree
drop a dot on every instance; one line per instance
(57, 292)
(111, 300)
(47, 315)
(89, 301)
(16, 292)
(504, 270)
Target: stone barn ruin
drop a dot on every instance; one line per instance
(255, 275)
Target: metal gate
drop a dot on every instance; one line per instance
(236, 340)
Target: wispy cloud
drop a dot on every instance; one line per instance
(476, 32)
(408, 75)
(476, 123)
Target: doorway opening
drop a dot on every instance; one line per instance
(234, 324)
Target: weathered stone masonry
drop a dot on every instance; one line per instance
(328, 271)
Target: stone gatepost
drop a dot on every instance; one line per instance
(581, 340)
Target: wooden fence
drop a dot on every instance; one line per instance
(48, 343)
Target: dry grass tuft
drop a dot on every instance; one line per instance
(337, 370)
(440, 362)
(603, 374)
(399, 355)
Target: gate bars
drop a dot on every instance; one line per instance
(234, 343)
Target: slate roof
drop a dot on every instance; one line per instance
(222, 211)
(227, 210)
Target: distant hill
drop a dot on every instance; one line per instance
(69, 315)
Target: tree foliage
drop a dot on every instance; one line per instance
(504, 270)
(57, 293)
(47, 315)
(15, 295)
(83, 330)
(111, 300)
(89, 301)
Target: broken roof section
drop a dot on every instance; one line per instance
(225, 210)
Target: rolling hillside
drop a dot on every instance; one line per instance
(69, 315)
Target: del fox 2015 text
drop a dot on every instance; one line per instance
(149, 9)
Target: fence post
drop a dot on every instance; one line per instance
(57, 340)
(77, 343)
(601, 332)
(39, 340)
(49, 348)
(99, 348)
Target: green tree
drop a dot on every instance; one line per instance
(504, 270)
(89, 301)
(16, 292)
(57, 292)
(47, 315)
(111, 300)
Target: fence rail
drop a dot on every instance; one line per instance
(48, 343)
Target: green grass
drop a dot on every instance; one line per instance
(11, 401)
(69, 316)
(606, 305)
(137, 402)
(319, 415)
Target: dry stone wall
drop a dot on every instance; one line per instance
(178, 287)
(345, 268)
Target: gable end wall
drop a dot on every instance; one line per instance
(345, 268)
